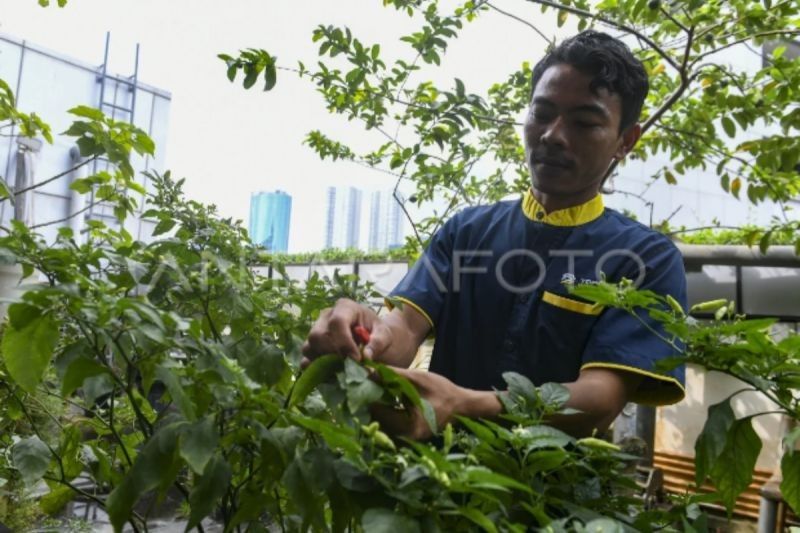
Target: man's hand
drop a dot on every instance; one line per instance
(599, 395)
(394, 338)
(447, 399)
(333, 331)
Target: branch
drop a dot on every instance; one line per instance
(628, 29)
(416, 106)
(734, 22)
(519, 19)
(674, 97)
(678, 92)
(73, 215)
(701, 228)
(744, 40)
(48, 180)
(672, 19)
(649, 204)
(396, 197)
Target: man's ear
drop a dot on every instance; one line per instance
(629, 139)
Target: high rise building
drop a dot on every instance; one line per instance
(343, 217)
(385, 222)
(270, 213)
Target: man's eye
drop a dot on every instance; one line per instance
(541, 117)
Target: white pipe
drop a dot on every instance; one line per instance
(76, 199)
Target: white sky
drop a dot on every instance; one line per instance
(229, 142)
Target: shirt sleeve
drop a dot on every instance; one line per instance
(620, 341)
(425, 285)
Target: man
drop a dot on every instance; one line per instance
(493, 284)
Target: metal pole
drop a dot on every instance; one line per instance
(135, 86)
(697, 255)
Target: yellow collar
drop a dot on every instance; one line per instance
(571, 216)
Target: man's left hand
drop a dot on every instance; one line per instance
(447, 399)
(440, 392)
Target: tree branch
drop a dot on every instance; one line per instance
(624, 27)
(701, 228)
(48, 180)
(73, 215)
(672, 19)
(550, 42)
(744, 40)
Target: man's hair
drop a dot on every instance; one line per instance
(609, 61)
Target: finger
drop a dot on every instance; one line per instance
(379, 341)
(316, 343)
(304, 362)
(341, 336)
(397, 422)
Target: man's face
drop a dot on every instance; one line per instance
(571, 134)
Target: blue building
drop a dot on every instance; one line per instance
(270, 213)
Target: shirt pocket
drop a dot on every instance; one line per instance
(561, 334)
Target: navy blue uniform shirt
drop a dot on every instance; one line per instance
(492, 285)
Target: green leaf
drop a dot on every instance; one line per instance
(154, 467)
(337, 436)
(264, 364)
(78, 371)
(732, 473)
(319, 371)
(251, 75)
(380, 520)
(604, 525)
(27, 349)
(521, 386)
(478, 518)
(55, 500)
(5, 191)
(478, 429)
(233, 68)
(399, 385)
(300, 491)
(728, 126)
(482, 476)
(176, 391)
(270, 77)
(198, 442)
(31, 458)
(546, 437)
(554, 394)
(136, 269)
(790, 485)
(362, 394)
(87, 112)
(208, 489)
(163, 226)
(711, 441)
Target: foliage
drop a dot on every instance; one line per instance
(701, 113)
(180, 366)
(169, 367)
(727, 448)
(743, 235)
(335, 255)
(96, 135)
(252, 62)
(748, 235)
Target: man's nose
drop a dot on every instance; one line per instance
(555, 134)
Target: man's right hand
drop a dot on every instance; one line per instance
(333, 332)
